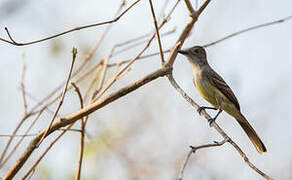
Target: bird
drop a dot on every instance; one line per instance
(212, 87)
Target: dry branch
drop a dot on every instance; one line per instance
(82, 132)
(70, 119)
(13, 42)
(249, 29)
(157, 32)
(74, 53)
(165, 70)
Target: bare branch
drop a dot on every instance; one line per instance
(122, 50)
(78, 171)
(93, 79)
(141, 57)
(193, 150)
(22, 85)
(249, 29)
(13, 42)
(21, 139)
(157, 32)
(74, 53)
(103, 102)
(70, 119)
(18, 135)
(32, 168)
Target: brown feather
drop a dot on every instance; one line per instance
(222, 86)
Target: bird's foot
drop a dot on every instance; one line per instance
(211, 121)
(203, 108)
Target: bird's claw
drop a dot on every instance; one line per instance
(211, 121)
(200, 110)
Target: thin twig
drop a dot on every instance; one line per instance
(93, 79)
(157, 32)
(122, 50)
(31, 97)
(32, 168)
(78, 171)
(141, 57)
(22, 87)
(103, 75)
(13, 42)
(163, 8)
(4, 151)
(193, 150)
(74, 53)
(70, 130)
(21, 139)
(18, 135)
(249, 29)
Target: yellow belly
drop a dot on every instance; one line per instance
(207, 91)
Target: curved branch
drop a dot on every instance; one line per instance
(13, 42)
(249, 29)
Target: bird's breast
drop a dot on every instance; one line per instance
(206, 89)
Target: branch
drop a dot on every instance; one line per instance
(20, 140)
(249, 29)
(78, 171)
(157, 32)
(165, 70)
(216, 126)
(13, 42)
(141, 57)
(82, 113)
(193, 150)
(22, 87)
(32, 168)
(74, 53)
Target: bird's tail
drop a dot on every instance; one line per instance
(254, 138)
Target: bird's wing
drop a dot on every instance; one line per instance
(222, 86)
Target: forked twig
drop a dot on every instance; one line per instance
(193, 150)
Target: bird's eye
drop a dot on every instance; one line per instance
(197, 51)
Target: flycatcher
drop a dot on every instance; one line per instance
(215, 90)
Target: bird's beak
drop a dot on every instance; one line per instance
(182, 52)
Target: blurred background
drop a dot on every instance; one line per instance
(146, 134)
